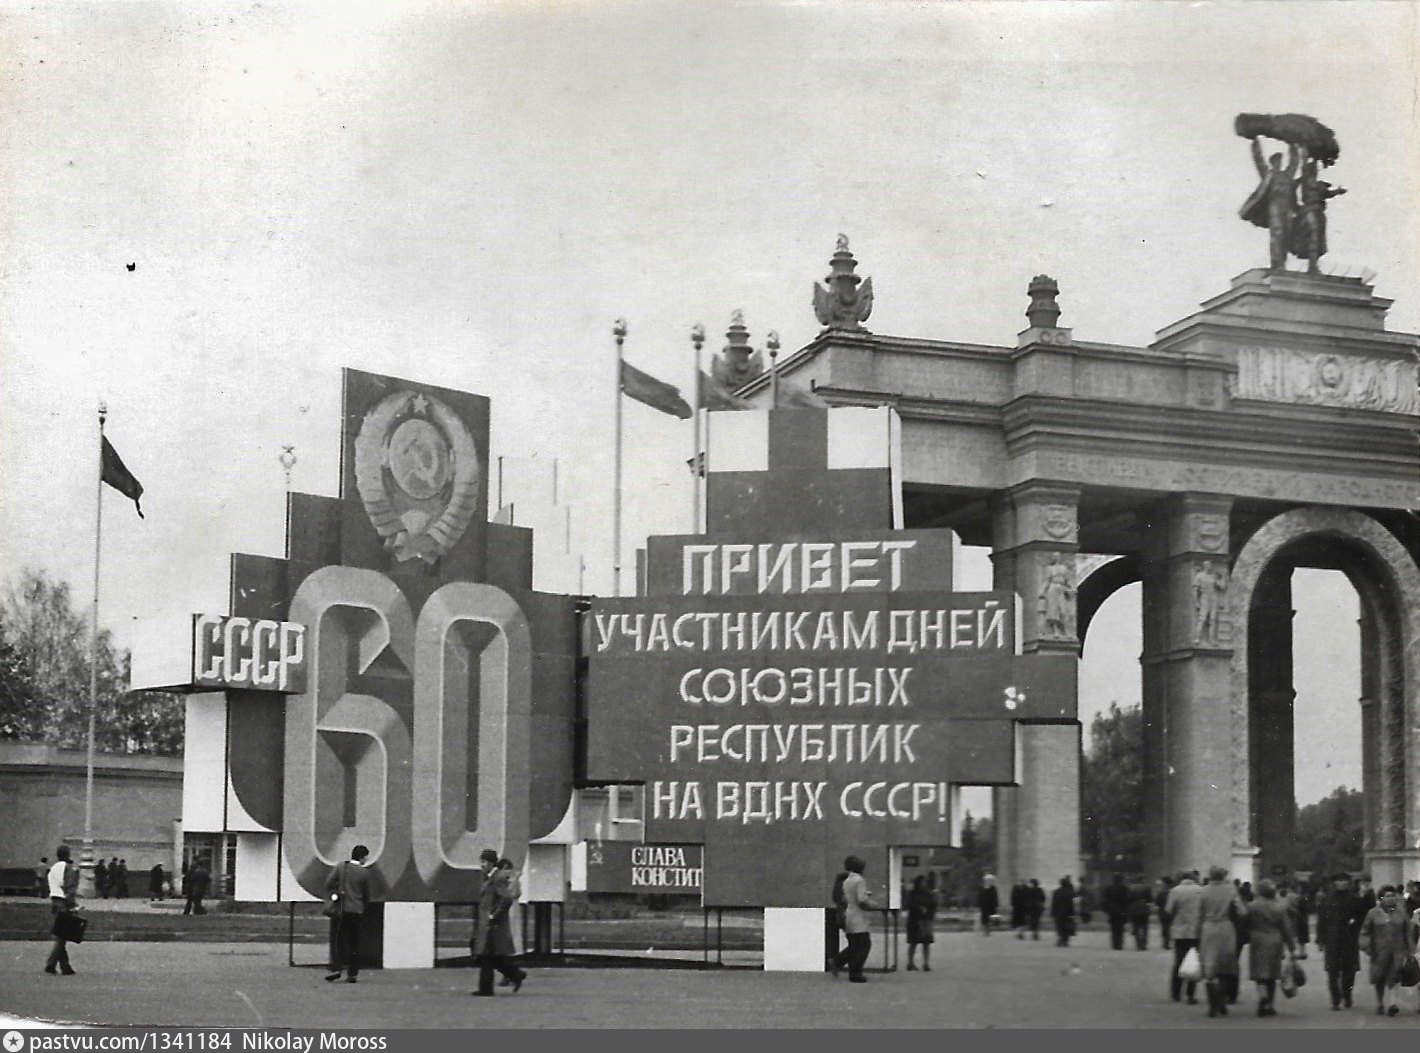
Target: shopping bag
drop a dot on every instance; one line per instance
(70, 927)
(1191, 968)
(1410, 972)
(1289, 979)
(1299, 975)
(334, 907)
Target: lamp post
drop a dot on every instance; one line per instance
(771, 344)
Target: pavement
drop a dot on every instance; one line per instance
(976, 982)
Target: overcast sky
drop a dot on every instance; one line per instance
(469, 194)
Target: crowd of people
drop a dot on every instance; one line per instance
(1207, 925)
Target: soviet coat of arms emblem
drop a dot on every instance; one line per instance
(418, 472)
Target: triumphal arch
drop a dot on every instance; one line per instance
(1275, 428)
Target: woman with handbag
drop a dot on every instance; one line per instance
(1273, 946)
(1388, 938)
(63, 881)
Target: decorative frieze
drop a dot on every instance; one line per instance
(1320, 378)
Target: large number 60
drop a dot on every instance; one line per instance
(410, 792)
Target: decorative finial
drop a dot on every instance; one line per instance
(697, 335)
(771, 343)
(1043, 312)
(843, 305)
(618, 329)
(739, 363)
(103, 410)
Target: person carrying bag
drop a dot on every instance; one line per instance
(349, 889)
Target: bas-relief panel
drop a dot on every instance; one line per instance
(1172, 476)
(1320, 378)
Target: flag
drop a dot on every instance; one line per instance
(655, 393)
(715, 396)
(117, 475)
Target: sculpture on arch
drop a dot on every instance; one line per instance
(1292, 207)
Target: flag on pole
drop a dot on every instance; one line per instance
(715, 396)
(657, 394)
(117, 475)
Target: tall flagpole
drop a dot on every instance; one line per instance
(697, 337)
(86, 854)
(618, 330)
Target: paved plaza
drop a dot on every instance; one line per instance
(976, 982)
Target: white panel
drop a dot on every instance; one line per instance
(793, 939)
(545, 877)
(409, 936)
(895, 460)
(162, 653)
(894, 882)
(737, 441)
(859, 437)
(258, 861)
(957, 810)
(577, 867)
(204, 763)
(291, 891)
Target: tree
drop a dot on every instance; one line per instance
(21, 714)
(51, 669)
(1329, 834)
(1111, 790)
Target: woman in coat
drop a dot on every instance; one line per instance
(1218, 905)
(1273, 943)
(921, 907)
(1388, 938)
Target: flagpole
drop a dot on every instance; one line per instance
(86, 854)
(772, 343)
(618, 330)
(697, 337)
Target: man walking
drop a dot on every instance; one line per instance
(199, 879)
(1116, 909)
(857, 926)
(1338, 926)
(348, 889)
(63, 881)
(493, 931)
(1182, 910)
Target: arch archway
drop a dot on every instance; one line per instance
(1387, 581)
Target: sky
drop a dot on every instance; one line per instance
(469, 194)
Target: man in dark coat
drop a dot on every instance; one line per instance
(493, 930)
(988, 902)
(348, 889)
(1035, 907)
(1062, 909)
(1116, 909)
(101, 878)
(1338, 925)
(199, 878)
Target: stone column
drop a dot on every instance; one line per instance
(1271, 698)
(1035, 536)
(1189, 748)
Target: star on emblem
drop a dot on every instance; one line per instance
(420, 404)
